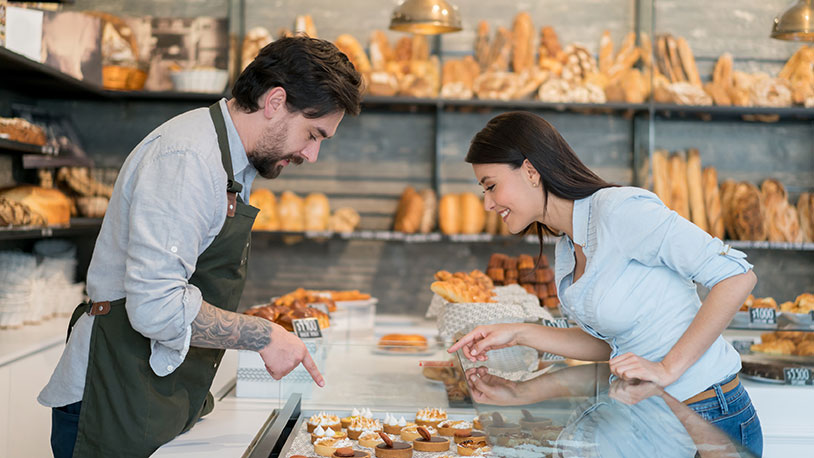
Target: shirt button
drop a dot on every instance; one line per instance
(215, 365)
(169, 367)
(174, 249)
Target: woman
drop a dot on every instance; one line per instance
(625, 272)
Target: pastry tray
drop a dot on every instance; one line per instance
(299, 442)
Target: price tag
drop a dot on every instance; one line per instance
(797, 376)
(307, 328)
(557, 323)
(546, 356)
(762, 316)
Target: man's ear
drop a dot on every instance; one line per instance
(531, 173)
(273, 101)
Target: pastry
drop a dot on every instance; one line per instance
(605, 52)
(393, 449)
(355, 414)
(469, 448)
(409, 211)
(317, 212)
(380, 51)
(348, 452)
(712, 202)
(20, 130)
(292, 217)
(777, 347)
(430, 417)
(543, 275)
(267, 219)
(344, 220)
(382, 83)
(482, 45)
(688, 62)
(304, 25)
(481, 420)
(473, 216)
(695, 190)
(371, 439)
(429, 212)
(496, 85)
(403, 342)
(679, 194)
(748, 213)
(354, 51)
(326, 446)
(805, 211)
(430, 443)
(500, 50)
(325, 420)
(530, 422)
(49, 204)
(449, 214)
(450, 427)
(393, 426)
(474, 436)
(360, 425)
(410, 433)
(327, 432)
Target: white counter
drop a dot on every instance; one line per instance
(19, 343)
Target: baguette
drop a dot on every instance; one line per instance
(712, 203)
(605, 53)
(522, 43)
(805, 211)
(449, 214)
(661, 176)
(679, 194)
(749, 214)
(482, 45)
(354, 51)
(675, 60)
(696, 192)
(688, 62)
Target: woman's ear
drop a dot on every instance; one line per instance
(531, 173)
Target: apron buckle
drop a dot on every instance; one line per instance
(98, 308)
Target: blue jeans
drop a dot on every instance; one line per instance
(733, 413)
(64, 424)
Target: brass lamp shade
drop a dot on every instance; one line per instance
(796, 23)
(426, 17)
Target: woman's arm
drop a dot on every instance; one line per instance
(717, 310)
(570, 343)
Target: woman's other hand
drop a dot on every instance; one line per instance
(630, 366)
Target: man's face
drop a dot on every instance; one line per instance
(291, 139)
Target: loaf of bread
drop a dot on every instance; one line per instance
(712, 203)
(482, 45)
(380, 51)
(20, 130)
(344, 220)
(409, 211)
(696, 191)
(14, 213)
(749, 215)
(500, 50)
(473, 216)
(292, 215)
(356, 54)
(429, 211)
(253, 42)
(522, 43)
(805, 211)
(679, 194)
(661, 176)
(492, 224)
(304, 25)
(51, 204)
(782, 222)
(605, 53)
(268, 218)
(449, 214)
(317, 212)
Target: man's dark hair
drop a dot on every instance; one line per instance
(317, 78)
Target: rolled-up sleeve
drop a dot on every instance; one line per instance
(170, 216)
(652, 234)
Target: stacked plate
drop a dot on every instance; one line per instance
(16, 287)
(55, 293)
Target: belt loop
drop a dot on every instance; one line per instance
(719, 393)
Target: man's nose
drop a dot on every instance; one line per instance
(311, 152)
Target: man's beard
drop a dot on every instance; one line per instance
(268, 154)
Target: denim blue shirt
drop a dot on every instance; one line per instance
(168, 204)
(638, 291)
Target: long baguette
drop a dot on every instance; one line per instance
(679, 195)
(712, 201)
(695, 188)
(661, 176)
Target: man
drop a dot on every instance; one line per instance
(169, 264)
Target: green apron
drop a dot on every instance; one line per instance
(127, 410)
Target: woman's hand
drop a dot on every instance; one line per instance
(486, 388)
(630, 366)
(482, 339)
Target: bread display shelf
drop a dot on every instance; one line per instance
(18, 147)
(78, 227)
(41, 161)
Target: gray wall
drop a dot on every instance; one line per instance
(375, 155)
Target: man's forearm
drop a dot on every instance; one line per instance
(218, 328)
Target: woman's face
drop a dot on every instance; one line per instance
(514, 194)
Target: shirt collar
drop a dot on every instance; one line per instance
(579, 220)
(239, 158)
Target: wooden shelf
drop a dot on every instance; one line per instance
(77, 227)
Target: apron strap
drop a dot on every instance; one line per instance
(233, 188)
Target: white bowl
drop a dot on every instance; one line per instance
(201, 80)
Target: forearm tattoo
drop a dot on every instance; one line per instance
(217, 328)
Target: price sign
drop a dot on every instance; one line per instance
(546, 356)
(557, 323)
(762, 316)
(307, 328)
(797, 376)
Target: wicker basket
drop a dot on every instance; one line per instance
(115, 77)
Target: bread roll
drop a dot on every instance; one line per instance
(409, 211)
(380, 51)
(696, 191)
(429, 212)
(749, 214)
(344, 220)
(782, 222)
(317, 212)
(473, 216)
(492, 223)
(292, 216)
(268, 218)
(805, 211)
(679, 194)
(449, 219)
(522, 46)
(661, 176)
(356, 54)
(50, 204)
(712, 203)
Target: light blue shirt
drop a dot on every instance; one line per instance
(168, 204)
(638, 290)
